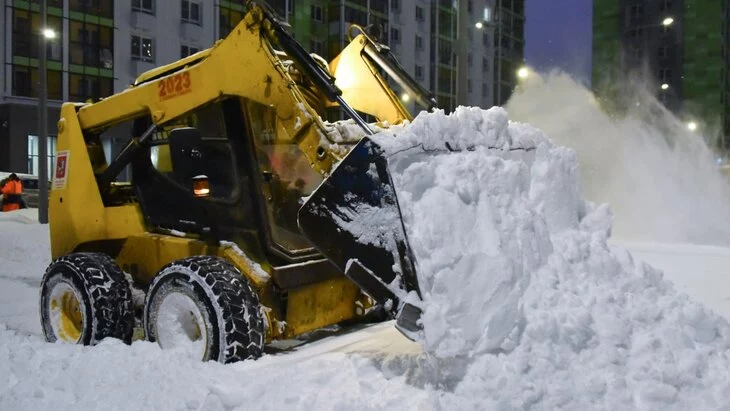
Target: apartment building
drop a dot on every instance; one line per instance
(100, 47)
(677, 48)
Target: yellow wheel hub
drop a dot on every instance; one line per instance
(68, 320)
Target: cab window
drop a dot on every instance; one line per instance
(286, 174)
(218, 161)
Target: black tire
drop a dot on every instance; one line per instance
(227, 303)
(99, 294)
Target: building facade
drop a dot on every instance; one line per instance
(676, 48)
(100, 47)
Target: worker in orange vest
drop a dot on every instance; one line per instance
(11, 191)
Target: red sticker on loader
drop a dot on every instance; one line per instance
(61, 170)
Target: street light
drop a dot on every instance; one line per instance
(479, 25)
(667, 21)
(692, 126)
(47, 34)
(665, 86)
(523, 73)
(405, 97)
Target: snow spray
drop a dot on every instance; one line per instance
(661, 179)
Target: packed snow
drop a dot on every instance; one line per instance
(526, 306)
(523, 296)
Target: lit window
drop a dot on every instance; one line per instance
(142, 48)
(487, 14)
(33, 155)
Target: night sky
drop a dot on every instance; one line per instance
(558, 34)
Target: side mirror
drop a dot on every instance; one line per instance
(186, 154)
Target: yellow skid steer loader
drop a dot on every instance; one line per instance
(226, 237)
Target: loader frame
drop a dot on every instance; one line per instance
(90, 211)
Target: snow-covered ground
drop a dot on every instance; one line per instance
(527, 305)
(364, 368)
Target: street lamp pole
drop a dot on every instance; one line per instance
(462, 51)
(42, 123)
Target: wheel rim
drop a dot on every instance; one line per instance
(180, 324)
(67, 317)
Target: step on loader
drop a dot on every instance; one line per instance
(229, 233)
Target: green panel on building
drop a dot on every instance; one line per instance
(702, 59)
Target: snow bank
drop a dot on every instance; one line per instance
(525, 305)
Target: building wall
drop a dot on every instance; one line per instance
(92, 57)
(166, 29)
(703, 62)
(606, 48)
(510, 47)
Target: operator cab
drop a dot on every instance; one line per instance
(223, 172)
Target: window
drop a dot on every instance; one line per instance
(663, 52)
(395, 5)
(101, 8)
(26, 78)
(665, 75)
(469, 59)
(665, 5)
(636, 11)
(468, 85)
(419, 72)
(636, 33)
(394, 36)
(229, 18)
(291, 176)
(190, 11)
(85, 87)
(188, 50)
(419, 43)
(636, 53)
(485, 39)
(469, 6)
(356, 16)
(142, 49)
(218, 159)
(485, 89)
(420, 15)
(487, 14)
(33, 162)
(317, 47)
(147, 6)
(317, 14)
(90, 44)
(485, 64)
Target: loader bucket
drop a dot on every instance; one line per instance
(353, 218)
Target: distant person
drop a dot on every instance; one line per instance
(12, 190)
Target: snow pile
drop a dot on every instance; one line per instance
(660, 178)
(525, 304)
(526, 307)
